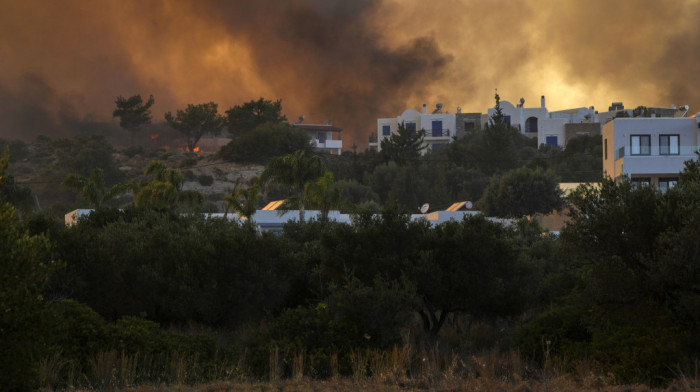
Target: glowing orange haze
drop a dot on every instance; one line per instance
(346, 61)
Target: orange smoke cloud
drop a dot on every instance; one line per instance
(347, 61)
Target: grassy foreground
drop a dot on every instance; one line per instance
(559, 383)
(489, 372)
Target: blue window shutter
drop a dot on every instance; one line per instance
(386, 130)
(551, 141)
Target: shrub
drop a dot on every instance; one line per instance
(189, 161)
(74, 331)
(640, 353)
(564, 328)
(205, 180)
(132, 151)
(265, 142)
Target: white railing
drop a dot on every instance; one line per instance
(655, 151)
(330, 144)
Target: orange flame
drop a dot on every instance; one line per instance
(196, 149)
(155, 136)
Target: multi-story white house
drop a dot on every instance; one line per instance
(649, 150)
(440, 128)
(549, 128)
(325, 137)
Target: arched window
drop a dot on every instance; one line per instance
(531, 124)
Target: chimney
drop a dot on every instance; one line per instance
(425, 109)
(542, 100)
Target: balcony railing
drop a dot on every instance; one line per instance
(329, 143)
(437, 133)
(655, 151)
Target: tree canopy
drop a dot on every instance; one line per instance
(521, 192)
(296, 171)
(404, 146)
(196, 121)
(133, 113)
(243, 119)
(93, 188)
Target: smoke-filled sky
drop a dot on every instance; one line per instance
(63, 63)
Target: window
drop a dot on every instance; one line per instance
(321, 137)
(437, 128)
(531, 124)
(666, 183)
(669, 145)
(551, 141)
(468, 126)
(638, 182)
(507, 118)
(386, 130)
(640, 145)
(412, 127)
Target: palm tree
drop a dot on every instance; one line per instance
(165, 188)
(295, 170)
(245, 201)
(93, 188)
(323, 194)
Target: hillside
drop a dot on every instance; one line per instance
(43, 164)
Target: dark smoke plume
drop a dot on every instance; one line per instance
(63, 63)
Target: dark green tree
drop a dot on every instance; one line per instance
(323, 194)
(469, 267)
(133, 113)
(265, 142)
(243, 119)
(637, 249)
(93, 188)
(404, 146)
(295, 171)
(24, 269)
(522, 192)
(162, 189)
(244, 201)
(196, 121)
(20, 197)
(498, 118)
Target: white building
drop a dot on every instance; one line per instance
(649, 150)
(548, 127)
(325, 137)
(440, 128)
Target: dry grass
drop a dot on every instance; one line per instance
(374, 370)
(557, 384)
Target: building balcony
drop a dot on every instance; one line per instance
(329, 144)
(438, 134)
(653, 162)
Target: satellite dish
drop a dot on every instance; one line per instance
(468, 205)
(424, 208)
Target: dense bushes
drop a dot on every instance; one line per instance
(82, 349)
(266, 142)
(174, 269)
